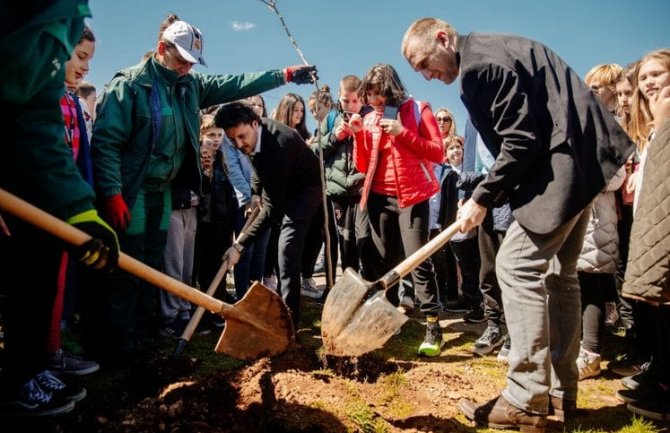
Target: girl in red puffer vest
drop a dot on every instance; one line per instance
(396, 146)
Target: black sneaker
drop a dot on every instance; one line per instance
(647, 392)
(31, 400)
(647, 375)
(456, 306)
(475, 315)
(218, 321)
(657, 408)
(50, 383)
(490, 339)
(203, 328)
(63, 362)
(174, 328)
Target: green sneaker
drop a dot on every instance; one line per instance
(432, 343)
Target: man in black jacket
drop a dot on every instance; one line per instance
(556, 147)
(287, 177)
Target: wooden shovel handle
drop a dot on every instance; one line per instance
(406, 266)
(197, 315)
(56, 227)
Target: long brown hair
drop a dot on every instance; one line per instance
(641, 118)
(284, 113)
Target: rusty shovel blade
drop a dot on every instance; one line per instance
(258, 325)
(357, 318)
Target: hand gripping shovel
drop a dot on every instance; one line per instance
(256, 326)
(200, 311)
(357, 317)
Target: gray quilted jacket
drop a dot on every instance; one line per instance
(600, 252)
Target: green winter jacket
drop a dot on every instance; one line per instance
(147, 128)
(36, 38)
(342, 178)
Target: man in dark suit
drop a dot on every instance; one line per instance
(287, 177)
(556, 147)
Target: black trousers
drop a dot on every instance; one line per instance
(392, 226)
(316, 239)
(33, 259)
(300, 210)
(344, 217)
(594, 289)
(467, 256)
(444, 263)
(489, 244)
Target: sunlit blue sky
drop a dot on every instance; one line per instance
(346, 37)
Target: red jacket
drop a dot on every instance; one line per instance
(413, 152)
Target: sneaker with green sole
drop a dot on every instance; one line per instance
(433, 342)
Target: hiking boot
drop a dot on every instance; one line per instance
(432, 343)
(489, 340)
(500, 414)
(475, 315)
(63, 362)
(561, 408)
(309, 289)
(503, 355)
(646, 376)
(50, 383)
(456, 306)
(588, 364)
(32, 400)
(656, 408)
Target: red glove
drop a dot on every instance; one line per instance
(116, 211)
(300, 74)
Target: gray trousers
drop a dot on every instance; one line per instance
(178, 261)
(541, 298)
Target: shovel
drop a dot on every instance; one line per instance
(358, 317)
(200, 311)
(256, 326)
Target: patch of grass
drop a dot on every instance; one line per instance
(641, 425)
(365, 419)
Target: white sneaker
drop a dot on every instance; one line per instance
(309, 288)
(588, 364)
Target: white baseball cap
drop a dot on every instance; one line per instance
(187, 39)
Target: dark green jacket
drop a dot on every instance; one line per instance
(147, 128)
(342, 178)
(36, 38)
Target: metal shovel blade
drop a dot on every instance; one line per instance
(353, 322)
(260, 325)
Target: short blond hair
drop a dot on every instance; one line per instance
(605, 74)
(424, 29)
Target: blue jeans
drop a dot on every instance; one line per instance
(541, 299)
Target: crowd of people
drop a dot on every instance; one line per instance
(550, 178)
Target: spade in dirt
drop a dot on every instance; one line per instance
(256, 326)
(358, 317)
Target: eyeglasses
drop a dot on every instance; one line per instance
(443, 119)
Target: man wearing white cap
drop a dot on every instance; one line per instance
(145, 148)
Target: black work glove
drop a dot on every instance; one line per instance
(301, 74)
(102, 250)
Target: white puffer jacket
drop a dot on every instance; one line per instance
(600, 252)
